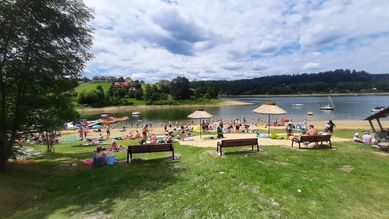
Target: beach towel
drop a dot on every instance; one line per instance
(88, 162)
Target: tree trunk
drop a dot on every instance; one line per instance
(3, 158)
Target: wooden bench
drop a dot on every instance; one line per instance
(315, 138)
(237, 143)
(148, 148)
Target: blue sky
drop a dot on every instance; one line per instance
(204, 40)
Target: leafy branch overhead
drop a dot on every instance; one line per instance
(43, 49)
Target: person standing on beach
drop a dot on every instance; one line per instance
(108, 132)
(145, 132)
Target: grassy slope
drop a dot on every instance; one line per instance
(92, 86)
(247, 185)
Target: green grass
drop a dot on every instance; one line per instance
(92, 86)
(201, 185)
(136, 102)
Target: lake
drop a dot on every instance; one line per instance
(346, 108)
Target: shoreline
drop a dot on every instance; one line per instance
(116, 109)
(306, 95)
(157, 128)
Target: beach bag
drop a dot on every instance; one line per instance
(111, 160)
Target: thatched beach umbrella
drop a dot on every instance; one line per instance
(200, 114)
(269, 108)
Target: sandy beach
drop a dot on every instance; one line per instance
(320, 125)
(116, 109)
(198, 142)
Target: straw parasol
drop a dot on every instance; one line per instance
(200, 114)
(270, 108)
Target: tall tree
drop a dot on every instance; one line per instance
(180, 88)
(43, 47)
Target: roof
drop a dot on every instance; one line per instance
(121, 84)
(381, 114)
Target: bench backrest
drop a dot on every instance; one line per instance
(149, 148)
(239, 142)
(315, 138)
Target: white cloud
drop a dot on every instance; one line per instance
(311, 66)
(152, 39)
(316, 53)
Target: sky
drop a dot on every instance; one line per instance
(153, 40)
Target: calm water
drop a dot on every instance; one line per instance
(346, 108)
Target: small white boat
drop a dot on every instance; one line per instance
(328, 106)
(378, 108)
(135, 113)
(297, 105)
(310, 113)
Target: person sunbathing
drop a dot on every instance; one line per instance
(131, 136)
(356, 138)
(153, 138)
(115, 146)
(137, 134)
(168, 138)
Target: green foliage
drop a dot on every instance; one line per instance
(180, 88)
(44, 45)
(161, 93)
(349, 182)
(337, 81)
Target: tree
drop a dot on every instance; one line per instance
(43, 47)
(121, 79)
(180, 88)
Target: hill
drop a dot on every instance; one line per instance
(337, 81)
(92, 86)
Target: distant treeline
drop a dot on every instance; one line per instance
(337, 81)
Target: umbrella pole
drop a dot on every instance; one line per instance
(268, 127)
(200, 128)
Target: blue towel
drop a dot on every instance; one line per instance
(111, 160)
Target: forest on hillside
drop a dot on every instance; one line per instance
(125, 91)
(337, 81)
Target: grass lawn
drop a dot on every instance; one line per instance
(92, 86)
(349, 182)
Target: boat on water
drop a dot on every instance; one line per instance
(329, 106)
(310, 113)
(297, 105)
(135, 114)
(378, 108)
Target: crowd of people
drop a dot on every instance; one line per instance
(180, 131)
